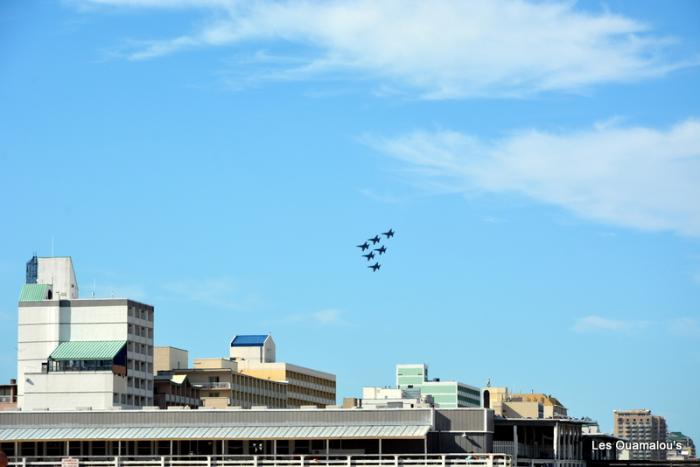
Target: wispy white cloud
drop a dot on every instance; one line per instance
(681, 326)
(688, 327)
(643, 178)
(219, 292)
(443, 49)
(329, 316)
(325, 317)
(593, 323)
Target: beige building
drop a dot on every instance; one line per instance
(255, 356)
(220, 385)
(170, 358)
(534, 405)
(250, 377)
(640, 426)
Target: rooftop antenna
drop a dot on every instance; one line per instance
(94, 286)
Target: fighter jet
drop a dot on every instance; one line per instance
(375, 267)
(381, 250)
(364, 246)
(388, 234)
(374, 239)
(369, 256)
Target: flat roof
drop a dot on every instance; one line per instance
(42, 433)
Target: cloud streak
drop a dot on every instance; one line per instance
(325, 317)
(595, 323)
(682, 327)
(636, 177)
(219, 292)
(442, 49)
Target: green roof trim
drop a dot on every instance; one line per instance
(87, 350)
(34, 292)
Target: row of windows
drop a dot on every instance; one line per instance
(129, 399)
(138, 347)
(311, 379)
(141, 313)
(142, 331)
(139, 383)
(312, 392)
(139, 365)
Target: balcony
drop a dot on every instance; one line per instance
(213, 385)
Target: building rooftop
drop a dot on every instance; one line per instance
(544, 399)
(251, 340)
(34, 292)
(87, 350)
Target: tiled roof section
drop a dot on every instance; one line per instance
(252, 340)
(87, 350)
(34, 292)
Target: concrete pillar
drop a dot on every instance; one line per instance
(556, 441)
(515, 445)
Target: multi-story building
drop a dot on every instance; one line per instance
(170, 358)
(174, 391)
(255, 356)
(445, 394)
(384, 398)
(220, 385)
(685, 447)
(80, 353)
(547, 406)
(533, 405)
(8, 395)
(640, 426)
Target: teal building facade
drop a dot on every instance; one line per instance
(446, 394)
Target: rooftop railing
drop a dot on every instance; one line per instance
(399, 460)
(213, 385)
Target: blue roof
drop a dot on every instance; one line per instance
(254, 340)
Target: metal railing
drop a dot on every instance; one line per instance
(400, 460)
(213, 385)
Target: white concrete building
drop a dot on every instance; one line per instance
(385, 398)
(258, 348)
(56, 271)
(76, 353)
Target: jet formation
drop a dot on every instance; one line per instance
(380, 251)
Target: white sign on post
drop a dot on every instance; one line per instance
(70, 462)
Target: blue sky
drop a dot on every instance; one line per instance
(539, 161)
